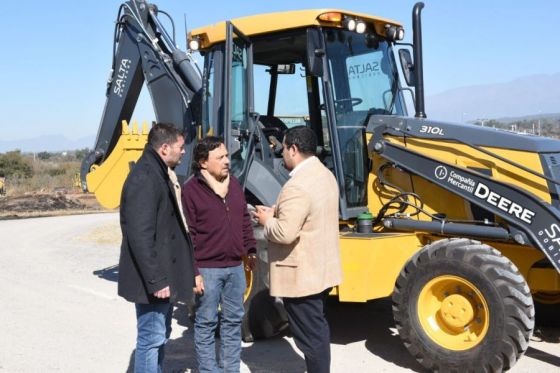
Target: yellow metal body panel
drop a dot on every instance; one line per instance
(465, 156)
(107, 180)
(524, 257)
(439, 200)
(543, 280)
(371, 264)
(281, 21)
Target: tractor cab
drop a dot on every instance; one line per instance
(328, 69)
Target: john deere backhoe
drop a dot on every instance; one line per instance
(466, 226)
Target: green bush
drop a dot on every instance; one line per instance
(81, 153)
(43, 155)
(14, 165)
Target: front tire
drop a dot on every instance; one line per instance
(264, 317)
(460, 305)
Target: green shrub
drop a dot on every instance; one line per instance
(81, 153)
(14, 165)
(43, 155)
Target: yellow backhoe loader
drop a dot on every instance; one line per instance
(459, 224)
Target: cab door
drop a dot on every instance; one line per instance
(239, 117)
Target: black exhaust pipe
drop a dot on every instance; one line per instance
(418, 67)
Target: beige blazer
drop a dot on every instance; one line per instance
(303, 235)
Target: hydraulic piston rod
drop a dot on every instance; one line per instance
(444, 228)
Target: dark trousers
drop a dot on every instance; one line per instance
(310, 329)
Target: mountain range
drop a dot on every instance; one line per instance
(50, 143)
(524, 97)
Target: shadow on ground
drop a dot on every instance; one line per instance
(260, 357)
(544, 333)
(548, 334)
(372, 323)
(273, 355)
(110, 273)
(543, 356)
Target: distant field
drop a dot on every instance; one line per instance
(42, 184)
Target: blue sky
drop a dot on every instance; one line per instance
(56, 56)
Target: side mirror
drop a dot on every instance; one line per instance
(315, 52)
(407, 67)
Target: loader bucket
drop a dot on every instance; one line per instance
(106, 180)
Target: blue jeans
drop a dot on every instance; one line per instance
(223, 287)
(154, 327)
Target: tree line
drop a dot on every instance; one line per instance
(548, 127)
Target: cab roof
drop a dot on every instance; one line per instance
(281, 21)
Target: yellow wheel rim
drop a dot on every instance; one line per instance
(248, 279)
(453, 312)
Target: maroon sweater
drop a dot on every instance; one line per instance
(221, 229)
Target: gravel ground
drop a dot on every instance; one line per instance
(61, 313)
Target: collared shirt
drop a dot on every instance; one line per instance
(300, 166)
(177, 187)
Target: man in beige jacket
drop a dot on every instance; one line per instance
(303, 253)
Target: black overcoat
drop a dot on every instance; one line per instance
(156, 249)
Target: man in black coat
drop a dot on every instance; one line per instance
(156, 267)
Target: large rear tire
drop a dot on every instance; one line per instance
(264, 315)
(460, 305)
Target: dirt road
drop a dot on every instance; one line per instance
(60, 312)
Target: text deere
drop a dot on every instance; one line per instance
(483, 192)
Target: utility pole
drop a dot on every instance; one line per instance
(539, 123)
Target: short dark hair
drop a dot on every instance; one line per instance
(163, 133)
(203, 148)
(303, 138)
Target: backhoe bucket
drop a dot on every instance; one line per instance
(102, 179)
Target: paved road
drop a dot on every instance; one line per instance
(60, 312)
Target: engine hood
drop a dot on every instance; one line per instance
(467, 133)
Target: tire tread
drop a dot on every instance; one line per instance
(518, 309)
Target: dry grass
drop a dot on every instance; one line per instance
(33, 205)
(52, 190)
(48, 176)
(109, 234)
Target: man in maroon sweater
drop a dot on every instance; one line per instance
(222, 233)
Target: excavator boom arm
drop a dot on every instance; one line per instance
(531, 220)
(144, 53)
